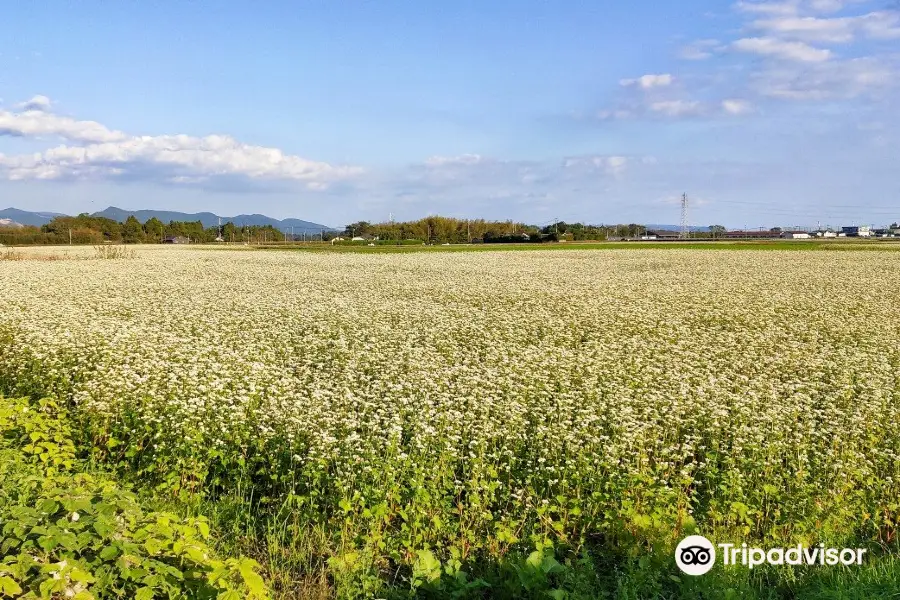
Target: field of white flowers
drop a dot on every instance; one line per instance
(419, 414)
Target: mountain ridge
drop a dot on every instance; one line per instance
(24, 217)
(207, 218)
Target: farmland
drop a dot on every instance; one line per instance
(483, 424)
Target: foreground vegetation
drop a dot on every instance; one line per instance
(542, 424)
(71, 534)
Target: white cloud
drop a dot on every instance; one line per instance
(794, 7)
(647, 82)
(172, 158)
(833, 80)
(829, 6)
(875, 25)
(612, 165)
(768, 8)
(37, 123)
(795, 51)
(463, 159)
(40, 103)
(809, 28)
(736, 107)
(699, 50)
(677, 108)
(681, 108)
(795, 40)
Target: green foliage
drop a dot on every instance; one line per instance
(132, 232)
(86, 229)
(437, 229)
(76, 535)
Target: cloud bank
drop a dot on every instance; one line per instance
(788, 51)
(98, 152)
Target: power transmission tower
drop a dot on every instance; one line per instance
(684, 210)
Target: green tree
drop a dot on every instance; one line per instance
(360, 228)
(132, 232)
(154, 229)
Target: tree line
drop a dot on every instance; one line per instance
(457, 231)
(87, 229)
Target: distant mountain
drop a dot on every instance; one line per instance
(10, 223)
(24, 217)
(209, 219)
(117, 214)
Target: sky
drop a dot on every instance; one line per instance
(764, 113)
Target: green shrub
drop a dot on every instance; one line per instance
(77, 535)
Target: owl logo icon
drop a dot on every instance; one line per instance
(695, 555)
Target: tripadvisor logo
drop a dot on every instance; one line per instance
(696, 555)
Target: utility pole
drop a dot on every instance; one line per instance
(684, 210)
(70, 236)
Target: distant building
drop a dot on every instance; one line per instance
(177, 239)
(826, 234)
(661, 234)
(857, 231)
(795, 235)
(751, 234)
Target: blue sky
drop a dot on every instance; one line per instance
(765, 113)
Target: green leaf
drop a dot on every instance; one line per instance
(109, 553)
(9, 587)
(153, 546)
(203, 527)
(551, 565)
(254, 582)
(80, 576)
(535, 559)
(47, 542)
(49, 506)
(144, 593)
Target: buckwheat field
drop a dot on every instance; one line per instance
(483, 424)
